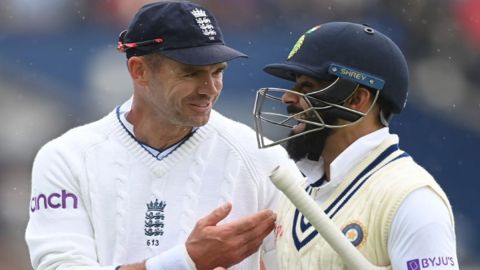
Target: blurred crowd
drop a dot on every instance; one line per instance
(59, 69)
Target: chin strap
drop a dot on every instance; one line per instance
(385, 118)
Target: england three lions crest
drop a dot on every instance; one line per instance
(154, 218)
(204, 23)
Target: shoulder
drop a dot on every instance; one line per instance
(404, 172)
(242, 140)
(393, 182)
(78, 139)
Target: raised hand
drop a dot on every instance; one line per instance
(211, 245)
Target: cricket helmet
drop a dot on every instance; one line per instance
(349, 55)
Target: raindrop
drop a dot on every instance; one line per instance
(70, 49)
(454, 105)
(438, 50)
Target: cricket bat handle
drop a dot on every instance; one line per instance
(284, 180)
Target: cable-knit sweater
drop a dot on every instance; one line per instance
(99, 199)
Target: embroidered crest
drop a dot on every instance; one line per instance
(154, 218)
(355, 232)
(204, 23)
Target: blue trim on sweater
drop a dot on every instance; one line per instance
(372, 165)
(144, 145)
(361, 184)
(304, 224)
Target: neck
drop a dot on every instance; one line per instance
(334, 146)
(151, 130)
(341, 139)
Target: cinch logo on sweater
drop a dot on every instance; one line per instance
(55, 200)
(430, 262)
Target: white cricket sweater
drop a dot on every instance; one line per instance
(99, 199)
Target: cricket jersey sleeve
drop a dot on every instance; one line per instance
(422, 234)
(59, 234)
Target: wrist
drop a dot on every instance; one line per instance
(175, 258)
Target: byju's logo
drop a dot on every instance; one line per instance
(413, 264)
(430, 262)
(54, 200)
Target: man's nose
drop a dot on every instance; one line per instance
(290, 98)
(210, 86)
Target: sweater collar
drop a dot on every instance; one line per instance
(347, 160)
(162, 166)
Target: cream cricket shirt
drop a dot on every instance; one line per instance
(389, 207)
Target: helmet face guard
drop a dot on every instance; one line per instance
(273, 121)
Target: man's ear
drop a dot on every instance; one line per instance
(361, 100)
(138, 70)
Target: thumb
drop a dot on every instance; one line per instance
(217, 215)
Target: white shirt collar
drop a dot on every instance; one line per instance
(354, 153)
(348, 159)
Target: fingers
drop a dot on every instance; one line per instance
(213, 245)
(246, 235)
(215, 216)
(258, 221)
(250, 241)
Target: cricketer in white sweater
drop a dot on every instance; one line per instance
(101, 199)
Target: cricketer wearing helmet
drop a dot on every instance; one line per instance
(349, 80)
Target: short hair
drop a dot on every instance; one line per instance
(153, 60)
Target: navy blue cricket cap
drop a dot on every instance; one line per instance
(354, 46)
(180, 30)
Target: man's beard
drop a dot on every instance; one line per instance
(309, 145)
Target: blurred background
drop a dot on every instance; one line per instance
(59, 68)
